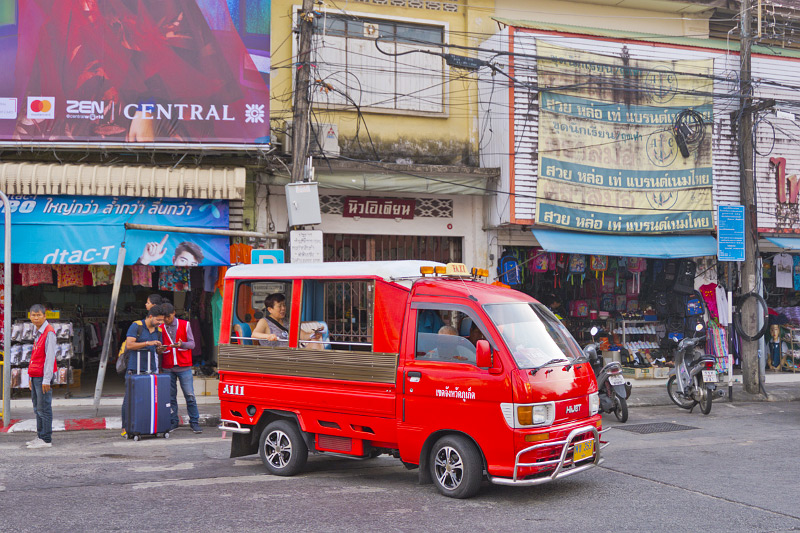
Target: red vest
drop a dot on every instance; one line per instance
(175, 356)
(36, 366)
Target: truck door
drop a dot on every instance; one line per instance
(443, 388)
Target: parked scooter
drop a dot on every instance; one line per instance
(693, 381)
(612, 388)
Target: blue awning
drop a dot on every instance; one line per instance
(785, 243)
(652, 246)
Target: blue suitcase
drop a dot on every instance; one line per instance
(148, 407)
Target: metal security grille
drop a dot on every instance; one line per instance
(340, 247)
(660, 427)
(348, 313)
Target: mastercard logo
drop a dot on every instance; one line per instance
(41, 106)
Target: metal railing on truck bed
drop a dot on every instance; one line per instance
(370, 367)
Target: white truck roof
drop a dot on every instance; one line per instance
(388, 270)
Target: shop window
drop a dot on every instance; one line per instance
(341, 247)
(447, 335)
(262, 307)
(337, 315)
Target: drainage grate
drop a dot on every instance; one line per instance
(661, 427)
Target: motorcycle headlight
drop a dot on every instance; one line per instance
(594, 403)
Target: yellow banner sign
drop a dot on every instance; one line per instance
(624, 145)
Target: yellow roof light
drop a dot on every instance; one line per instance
(440, 270)
(456, 269)
(426, 270)
(482, 272)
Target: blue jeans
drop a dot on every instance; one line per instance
(43, 408)
(187, 386)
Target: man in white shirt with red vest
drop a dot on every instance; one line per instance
(176, 358)
(41, 370)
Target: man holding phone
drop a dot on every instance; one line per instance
(176, 358)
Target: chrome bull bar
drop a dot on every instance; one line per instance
(233, 426)
(561, 463)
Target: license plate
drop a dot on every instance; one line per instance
(583, 450)
(616, 379)
(710, 376)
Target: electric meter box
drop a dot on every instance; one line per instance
(302, 203)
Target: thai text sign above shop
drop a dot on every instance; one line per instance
(367, 207)
(89, 230)
(113, 71)
(609, 160)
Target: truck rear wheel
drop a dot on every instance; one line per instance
(456, 467)
(282, 448)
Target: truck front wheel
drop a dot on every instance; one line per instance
(282, 448)
(456, 467)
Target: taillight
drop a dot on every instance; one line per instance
(709, 365)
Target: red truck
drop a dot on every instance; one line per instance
(426, 362)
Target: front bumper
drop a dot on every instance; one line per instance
(564, 464)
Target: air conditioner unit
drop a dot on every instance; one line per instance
(326, 143)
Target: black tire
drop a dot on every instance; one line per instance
(737, 316)
(678, 399)
(621, 409)
(456, 467)
(282, 448)
(705, 404)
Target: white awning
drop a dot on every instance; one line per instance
(142, 181)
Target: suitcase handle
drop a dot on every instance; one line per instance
(139, 362)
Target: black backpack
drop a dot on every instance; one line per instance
(684, 279)
(670, 271)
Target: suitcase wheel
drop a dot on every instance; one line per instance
(136, 438)
(166, 435)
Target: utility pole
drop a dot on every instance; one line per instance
(749, 352)
(300, 126)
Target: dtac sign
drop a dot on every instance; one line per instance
(162, 71)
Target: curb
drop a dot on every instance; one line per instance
(86, 424)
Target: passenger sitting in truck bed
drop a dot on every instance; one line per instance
(273, 330)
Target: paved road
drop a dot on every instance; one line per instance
(737, 471)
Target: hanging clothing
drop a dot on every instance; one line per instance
(143, 275)
(709, 293)
(101, 275)
(722, 306)
(70, 275)
(783, 264)
(36, 275)
(209, 278)
(240, 254)
(174, 279)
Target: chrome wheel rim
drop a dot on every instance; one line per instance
(449, 468)
(278, 449)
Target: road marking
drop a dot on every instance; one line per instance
(160, 441)
(210, 481)
(179, 466)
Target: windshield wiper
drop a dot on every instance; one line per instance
(535, 369)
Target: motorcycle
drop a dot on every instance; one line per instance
(612, 388)
(693, 381)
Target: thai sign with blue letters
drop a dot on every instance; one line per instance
(89, 230)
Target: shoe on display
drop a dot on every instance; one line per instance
(39, 444)
(196, 428)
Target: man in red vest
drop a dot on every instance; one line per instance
(41, 370)
(176, 358)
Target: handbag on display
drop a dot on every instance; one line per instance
(577, 266)
(599, 264)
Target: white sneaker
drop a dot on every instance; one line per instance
(34, 441)
(39, 444)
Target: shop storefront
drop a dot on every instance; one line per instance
(65, 252)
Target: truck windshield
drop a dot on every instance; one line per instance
(533, 335)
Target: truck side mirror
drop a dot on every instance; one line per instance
(484, 359)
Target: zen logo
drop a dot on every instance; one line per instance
(573, 408)
(234, 390)
(88, 109)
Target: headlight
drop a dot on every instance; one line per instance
(528, 415)
(594, 403)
